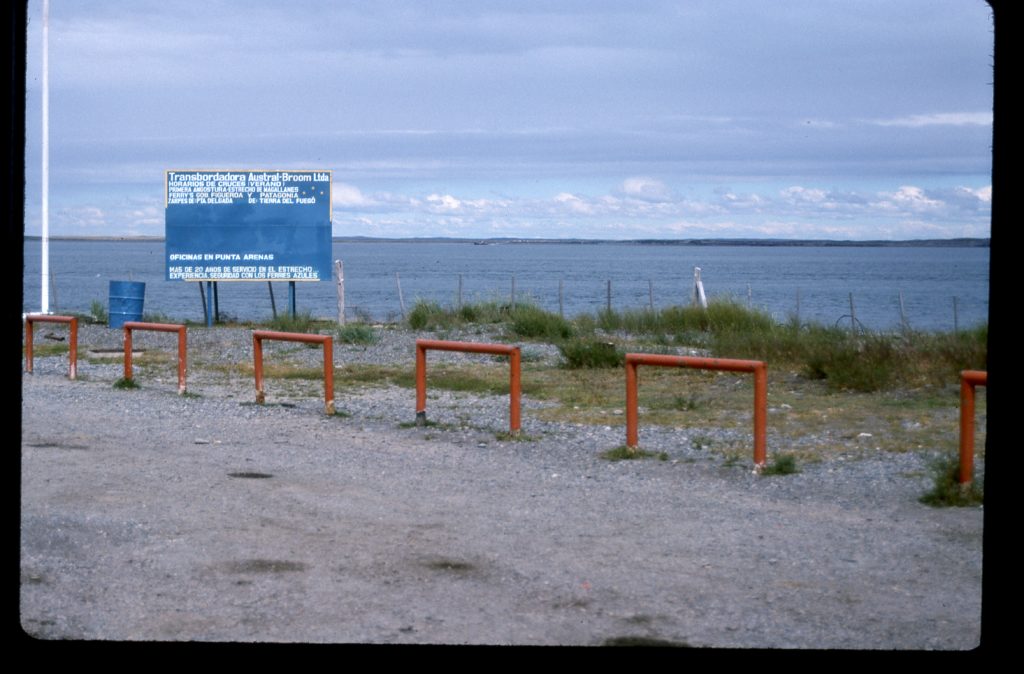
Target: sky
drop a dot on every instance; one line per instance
(816, 119)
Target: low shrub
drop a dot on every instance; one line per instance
(356, 333)
(626, 453)
(946, 489)
(591, 353)
(866, 363)
(425, 315)
(532, 322)
(126, 384)
(302, 322)
(783, 464)
(98, 312)
(429, 315)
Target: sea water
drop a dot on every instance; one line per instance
(939, 285)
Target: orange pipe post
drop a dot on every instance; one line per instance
(329, 376)
(514, 390)
(127, 352)
(421, 383)
(758, 368)
(325, 340)
(632, 406)
(72, 322)
(157, 327)
(515, 377)
(969, 379)
(257, 355)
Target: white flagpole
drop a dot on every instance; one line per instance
(45, 301)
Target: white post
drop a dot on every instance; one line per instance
(401, 300)
(339, 268)
(698, 290)
(45, 272)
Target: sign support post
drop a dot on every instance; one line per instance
(209, 303)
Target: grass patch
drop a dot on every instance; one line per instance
(125, 384)
(44, 350)
(946, 489)
(286, 371)
(525, 320)
(468, 381)
(866, 361)
(783, 464)
(626, 453)
(686, 324)
(426, 314)
(430, 423)
(419, 423)
(733, 459)
(508, 436)
(489, 379)
(374, 375)
(302, 322)
(356, 333)
(98, 312)
(531, 322)
(679, 402)
(591, 353)
(158, 317)
(701, 441)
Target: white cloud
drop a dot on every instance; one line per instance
(574, 203)
(797, 211)
(744, 201)
(939, 119)
(798, 194)
(983, 193)
(444, 202)
(343, 194)
(910, 198)
(646, 189)
(81, 218)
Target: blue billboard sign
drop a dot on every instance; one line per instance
(248, 225)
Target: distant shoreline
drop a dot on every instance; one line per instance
(904, 243)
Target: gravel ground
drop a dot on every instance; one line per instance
(150, 516)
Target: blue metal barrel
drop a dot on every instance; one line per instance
(126, 298)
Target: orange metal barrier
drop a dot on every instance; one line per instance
(968, 380)
(156, 327)
(514, 359)
(72, 340)
(328, 343)
(760, 370)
